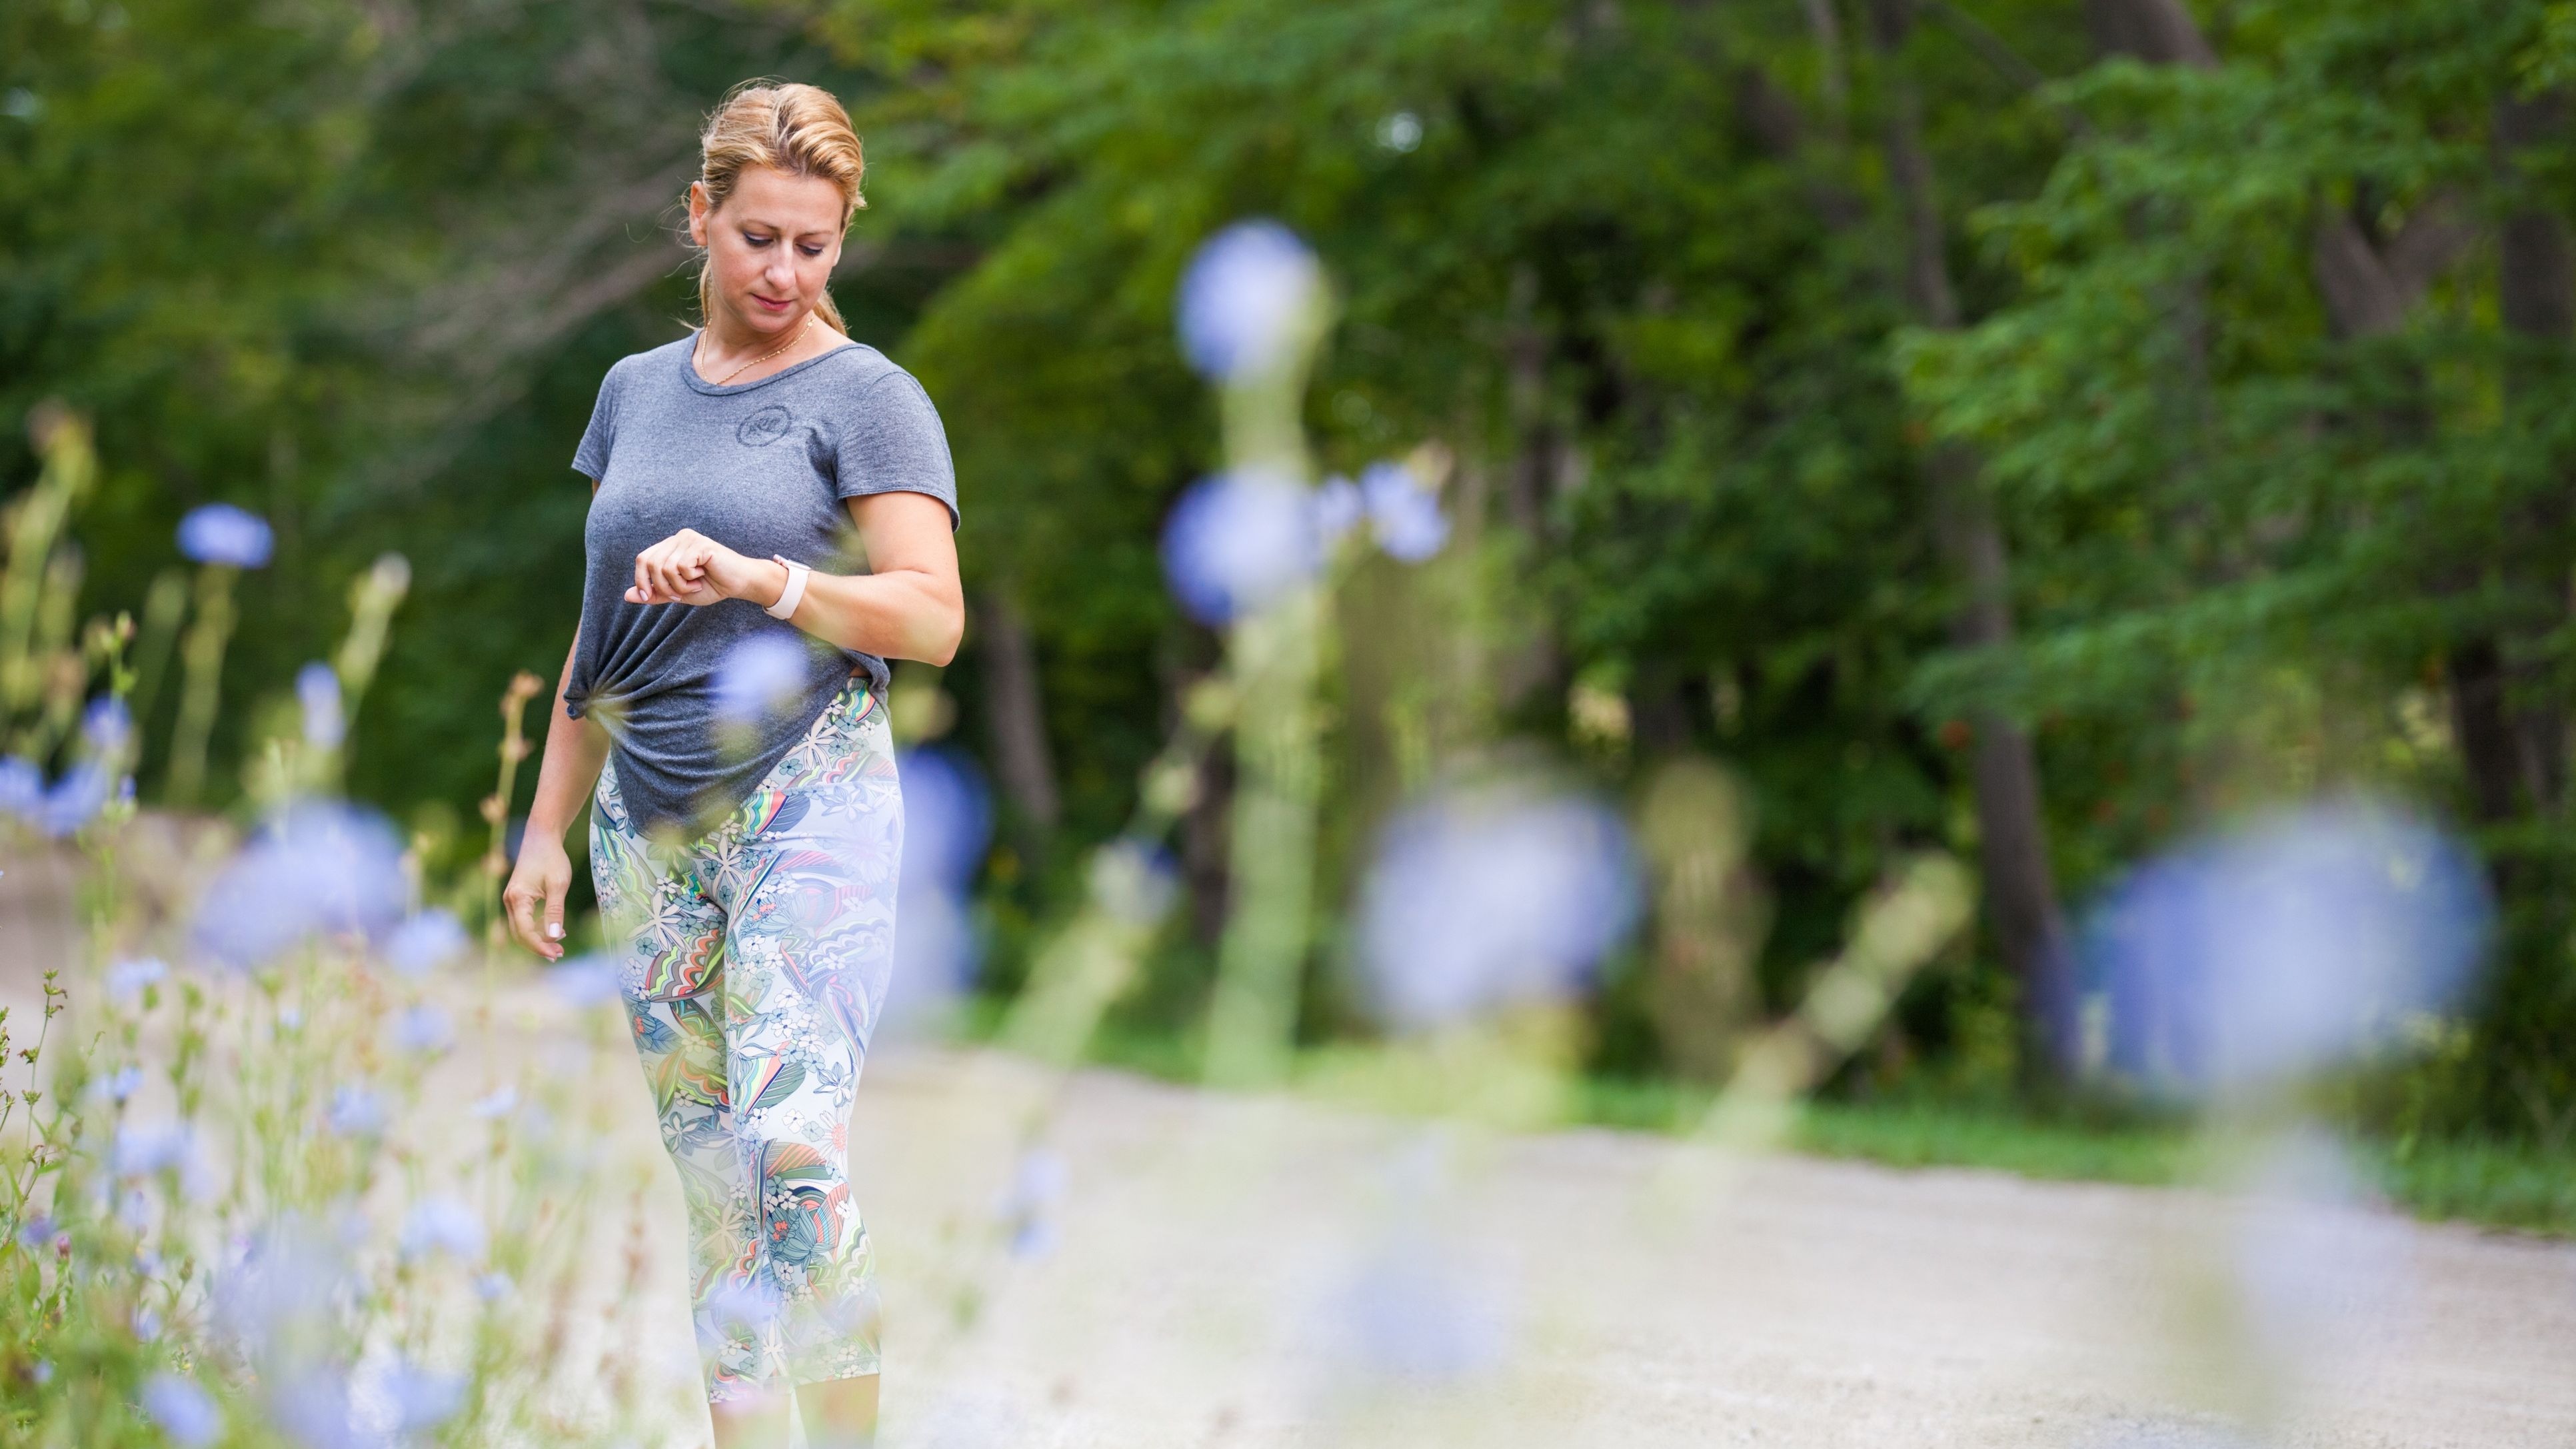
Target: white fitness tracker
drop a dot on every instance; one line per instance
(793, 594)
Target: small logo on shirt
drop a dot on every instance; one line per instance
(765, 427)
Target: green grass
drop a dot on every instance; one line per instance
(1930, 1134)
(2496, 1185)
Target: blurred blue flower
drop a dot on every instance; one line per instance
(425, 942)
(947, 825)
(947, 817)
(182, 1410)
(321, 867)
(2296, 943)
(416, 1398)
(1406, 517)
(496, 1103)
(1491, 898)
(22, 787)
(584, 980)
(357, 1112)
(1248, 292)
(1237, 542)
(36, 1231)
(764, 674)
(1339, 507)
(494, 1286)
(1028, 1210)
(442, 1225)
(737, 1306)
(76, 798)
(317, 689)
(219, 533)
(313, 1408)
(147, 1324)
(144, 1148)
(281, 1281)
(1410, 1312)
(126, 979)
(122, 1083)
(107, 726)
(936, 950)
(423, 1028)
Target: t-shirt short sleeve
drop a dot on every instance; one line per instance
(892, 442)
(591, 458)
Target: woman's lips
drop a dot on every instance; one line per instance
(770, 305)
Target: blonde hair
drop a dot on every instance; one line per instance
(798, 129)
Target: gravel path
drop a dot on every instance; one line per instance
(1207, 1271)
(1556, 1296)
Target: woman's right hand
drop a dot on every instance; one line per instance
(535, 895)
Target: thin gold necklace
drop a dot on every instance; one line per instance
(773, 352)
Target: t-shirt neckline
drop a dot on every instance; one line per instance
(689, 368)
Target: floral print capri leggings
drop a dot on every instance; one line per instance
(754, 960)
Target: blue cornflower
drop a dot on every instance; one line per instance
(220, 533)
(442, 1225)
(424, 1028)
(762, 675)
(1488, 899)
(425, 942)
(1248, 292)
(1238, 541)
(317, 691)
(1407, 519)
(357, 1112)
(183, 1411)
(321, 867)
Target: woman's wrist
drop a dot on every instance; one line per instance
(759, 581)
(539, 827)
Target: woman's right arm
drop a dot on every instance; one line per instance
(575, 751)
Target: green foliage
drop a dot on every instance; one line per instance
(1637, 266)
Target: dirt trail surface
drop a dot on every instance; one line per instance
(1176, 1268)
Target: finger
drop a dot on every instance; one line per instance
(523, 922)
(667, 580)
(644, 576)
(556, 890)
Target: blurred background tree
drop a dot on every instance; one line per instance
(2040, 429)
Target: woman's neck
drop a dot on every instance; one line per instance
(727, 352)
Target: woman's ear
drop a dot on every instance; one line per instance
(698, 210)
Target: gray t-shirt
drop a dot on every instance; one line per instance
(761, 468)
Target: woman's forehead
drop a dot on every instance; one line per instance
(793, 203)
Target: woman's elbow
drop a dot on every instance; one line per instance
(947, 631)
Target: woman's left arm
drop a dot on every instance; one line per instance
(909, 605)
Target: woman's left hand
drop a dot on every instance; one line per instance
(691, 568)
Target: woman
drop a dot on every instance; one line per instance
(726, 692)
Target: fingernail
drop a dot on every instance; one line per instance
(554, 930)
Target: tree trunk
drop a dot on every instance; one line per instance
(2021, 888)
(2159, 32)
(1017, 714)
(2538, 295)
(1537, 668)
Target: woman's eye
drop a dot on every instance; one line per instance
(758, 241)
(811, 251)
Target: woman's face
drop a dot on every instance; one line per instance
(770, 247)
